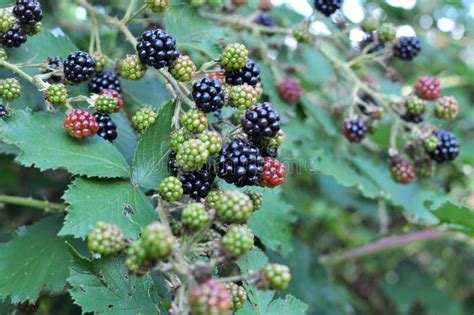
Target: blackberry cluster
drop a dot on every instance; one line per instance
(79, 67)
(208, 95)
(261, 120)
(355, 129)
(28, 12)
(14, 37)
(54, 63)
(447, 148)
(249, 74)
(240, 163)
(265, 19)
(327, 7)
(3, 111)
(107, 128)
(104, 81)
(157, 48)
(407, 48)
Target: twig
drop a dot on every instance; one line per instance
(33, 203)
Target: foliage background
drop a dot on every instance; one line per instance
(344, 201)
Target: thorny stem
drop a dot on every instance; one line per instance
(33, 203)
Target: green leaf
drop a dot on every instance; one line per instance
(454, 214)
(150, 163)
(147, 91)
(127, 138)
(44, 144)
(273, 223)
(117, 202)
(104, 287)
(260, 301)
(34, 260)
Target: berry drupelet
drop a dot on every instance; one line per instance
(107, 128)
(407, 48)
(28, 12)
(79, 66)
(327, 7)
(355, 129)
(261, 120)
(104, 81)
(249, 74)
(265, 19)
(240, 163)
(208, 95)
(447, 148)
(157, 48)
(14, 37)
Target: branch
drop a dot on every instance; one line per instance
(33, 203)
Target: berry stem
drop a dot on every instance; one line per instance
(250, 276)
(33, 203)
(37, 82)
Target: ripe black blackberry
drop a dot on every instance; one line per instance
(367, 99)
(265, 19)
(370, 39)
(54, 63)
(104, 81)
(173, 166)
(208, 95)
(355, 129)
(327, 7)
(249, 74)
(447, 149)
(14, 37)
(157, 48)
(3, 111)
(261, 120)
(407, 48)
(415, 119)
(240, 163)
(28, 12)
(79, 67)
(107, 128)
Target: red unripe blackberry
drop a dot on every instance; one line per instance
(290, 90)
(115, 95)
(428, 88)
(402, 171)
(273, 173)
(157, 48)
(210, 297)
(355, 129)
(81, 124)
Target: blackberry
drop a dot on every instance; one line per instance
(10, 89)
(265, 19)
(79, 66)
(237, 241)
(3, 111)
(290, 89)
(242, 96)
(407, 48)
(425, 168)
(105, 239)
(274, 277)
(239, 296)
(257, 199)
(158, 6)
(302, 34)
(144, 118)
(402, 171)
(171, 189)
(234, 207)
(447, 148)
(28, 12)
(447, 107)
(273, 173)
(117, 97)
(327, 7)
(261, 120)
(198, 184)
(131, 68)
(157, 48)
(100, 59)
(3, 54)
(210, 297)
(370, 24)
(370, 106)
(371, 39)
(157, 241)
(387, 32)
(194, 121)
(240, 163)
(411, 118)
(173, 167)
(54, 63)
(213, 198)
(104, 81)
(355, 129)
(80, 124)
(7, 20)
(192, 155)
(183, 69)
(208, 95)
(14, 37)
(249, 74)
(56, 94)
(195, 216)
(178, 137)
(212, 140)
(234, 57)
(136, 260)
(428, 88)
(107, 128)
(415, 105)
(105, 103)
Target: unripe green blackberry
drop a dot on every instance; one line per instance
(178, 137)
(237, 116)
(425, 168)
(274, 277)
(213, 198)
(7, 19)
(144, 118)
(197, 3)
(176, 228)
(234, 207)
(195, 216)
(194, 120)
(234, 57)
(100, 59)
(158, 6)
(105, 239)
(212, 140)
(183, 69)
(32, 30)
(430, 143)
(302, 34)
(131, 68)
(242, 96)
(136, 259)
(273, 142)
(106, 103)
(257, 199)
(192, 155)
(57, 94)
(10, 89)
(370, 24)
(171, 189)
(447, 108)
(387, 32)
(157, 241)
(210, 298)
(415, 105)
(237, 241)
(3, 54)
(239, 296)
